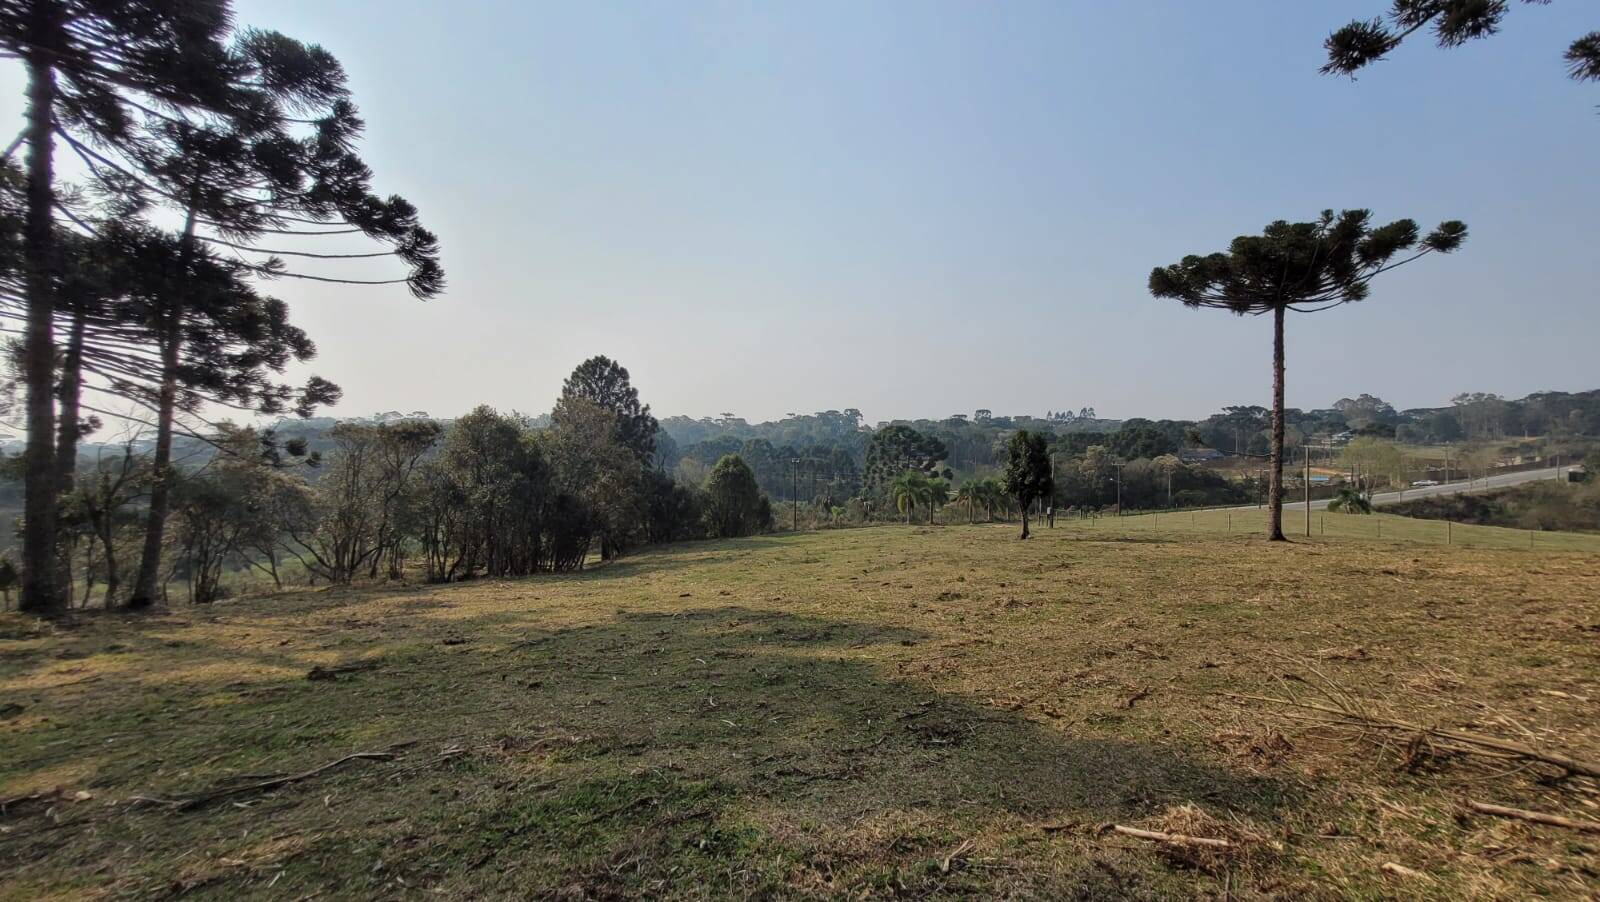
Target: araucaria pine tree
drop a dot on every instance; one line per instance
(1304, 267)
(238, 134)
(1453, 23)
(93, 69)
(280, 159)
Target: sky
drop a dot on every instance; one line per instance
(923, 208)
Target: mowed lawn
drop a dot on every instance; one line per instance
(875, 712)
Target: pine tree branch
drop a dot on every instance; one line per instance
(277, 253)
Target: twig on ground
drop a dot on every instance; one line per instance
(206, 797)
(1400, 870)
(1174, 838)
(955, 855)
(1537, 817)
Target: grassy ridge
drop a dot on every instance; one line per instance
(884, 711)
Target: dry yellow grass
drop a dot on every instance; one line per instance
(887, 711)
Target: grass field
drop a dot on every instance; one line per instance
(883, 712)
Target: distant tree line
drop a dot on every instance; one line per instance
(488, 495)
(501, 494)
(829, 458)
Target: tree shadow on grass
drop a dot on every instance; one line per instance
(715, 750)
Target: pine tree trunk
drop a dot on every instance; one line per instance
(1024, 522)
(70, 395)
(40, 592)
(1275, 477)
(66, 451)
(144, 585)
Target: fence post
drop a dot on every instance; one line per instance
(1449, 530)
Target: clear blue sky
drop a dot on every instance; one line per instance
(920, 208)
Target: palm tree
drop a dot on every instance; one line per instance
(936, 493)
(1350, 500)
(969, 494)
(1301, 267)
(992, 495)
(908, 490)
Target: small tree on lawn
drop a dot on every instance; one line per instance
(1027, 474)
(1299, 266)
(734, 503)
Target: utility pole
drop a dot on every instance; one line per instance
(1119, 488)
(1307, 449)
(794, 492)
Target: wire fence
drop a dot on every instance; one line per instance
(1325, 526)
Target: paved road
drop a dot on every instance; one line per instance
(1450, 488)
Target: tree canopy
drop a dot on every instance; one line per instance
(1302, 266)
(1028, 472)
(605, 382)
(1452, 22)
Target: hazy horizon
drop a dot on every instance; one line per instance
(998, 410)
(929, 209)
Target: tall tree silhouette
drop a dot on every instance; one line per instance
(280, 159)
(92, 67)
(1301, 266)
